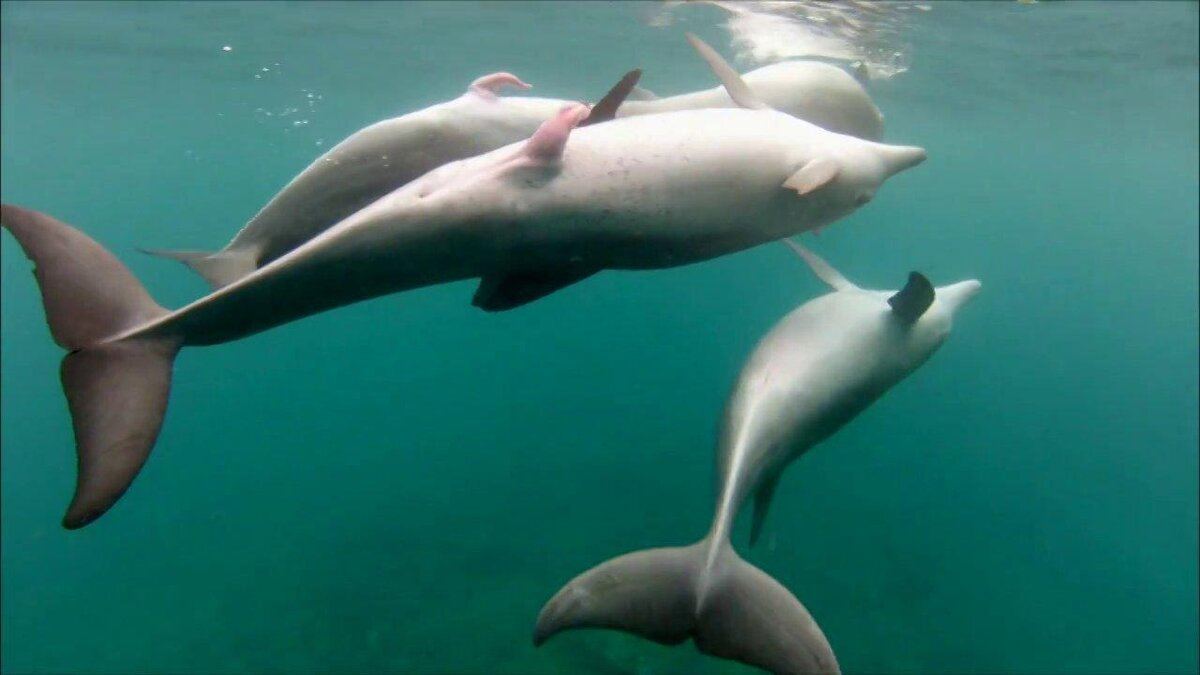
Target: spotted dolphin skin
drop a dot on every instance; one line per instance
(386, 155)
(818, 368)
(528, 219)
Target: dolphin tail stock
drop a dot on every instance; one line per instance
(219, 268)
(730, 608)
(116, 388)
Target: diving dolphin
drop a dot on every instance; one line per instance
(647, 192)
(818, 368)
(386, 155)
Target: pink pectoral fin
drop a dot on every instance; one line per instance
(549, 141)
(488, 86)
(813, 176)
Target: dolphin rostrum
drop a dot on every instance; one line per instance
(818, 368)
(528, 219)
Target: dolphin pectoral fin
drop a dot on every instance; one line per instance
(496, 294)
(488, 86)
(822, 269)
(640, 94)
(734, 85)
(606, 108)
(762, 503)
(813, 176)
(911, 302)
(219, 269)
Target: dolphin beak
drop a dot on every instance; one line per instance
(955, 296)
(897, 158)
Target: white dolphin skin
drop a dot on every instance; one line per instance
(528, 219)
(388, 154)
(816, 370)
(816, 92)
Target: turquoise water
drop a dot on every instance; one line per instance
(399, 485)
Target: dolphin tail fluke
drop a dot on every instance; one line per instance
(218, 269)
(730, 608)
(116, 389)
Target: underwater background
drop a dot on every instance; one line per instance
(399, 485)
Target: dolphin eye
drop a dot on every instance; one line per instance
(862, 198)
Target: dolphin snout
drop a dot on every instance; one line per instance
(957, 295)
(897, 158)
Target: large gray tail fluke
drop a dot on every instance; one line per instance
(116, 389)
(219, 269)
(730, 608)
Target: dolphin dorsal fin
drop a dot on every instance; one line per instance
(821, 268)
(606, 108)
(737, 88)
(488, 86)
(911, 302)
(550, 140)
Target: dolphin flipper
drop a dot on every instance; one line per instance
(813, 176)
(822, 269)
(219, 269)
(734, 85)
(496, 294)
(640, 94)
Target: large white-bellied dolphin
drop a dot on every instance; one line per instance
(528, 219)
(386, 155)
(818, 368)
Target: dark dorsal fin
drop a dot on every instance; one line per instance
(911, 302)
(606, 108)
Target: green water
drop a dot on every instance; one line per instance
(399, 485)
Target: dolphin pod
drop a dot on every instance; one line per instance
(530, 196)
(386, 155)
(527, 219)
(813, 373)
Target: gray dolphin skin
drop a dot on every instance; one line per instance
(386, 155)
(528, 219)
(815, 371)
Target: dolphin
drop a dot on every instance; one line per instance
(815, 371)
(386, 155)
(814, 91)
(528, 219)
(378, 159)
